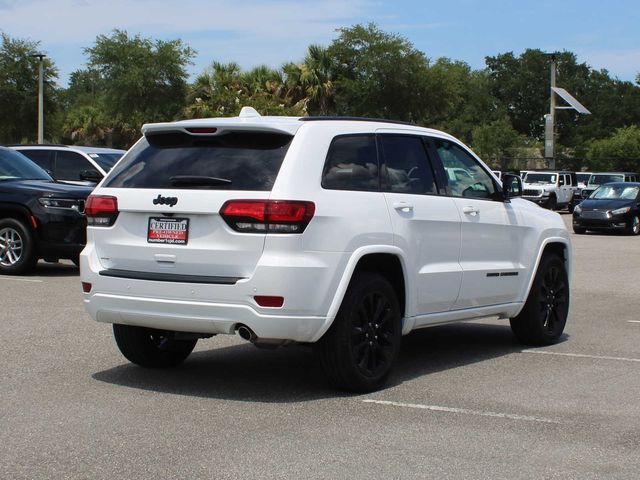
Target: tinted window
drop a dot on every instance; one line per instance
(601, 179)
(69, 165)
(15, 166)
(463, 174)
(351, 164)
(105, 160)
(407, 167)
(240, 160)
(41, 157)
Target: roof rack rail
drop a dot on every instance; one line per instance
(37, 145)
(356, 119)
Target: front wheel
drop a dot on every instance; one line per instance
(579, 230)
(552, 203)
(151, 348)
(17, 248)
(634, 226)
(360, 348)
(544, 315)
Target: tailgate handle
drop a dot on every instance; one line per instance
(163, 258)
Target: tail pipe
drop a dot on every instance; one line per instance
(247, 334)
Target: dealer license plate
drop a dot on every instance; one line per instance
(174, 231)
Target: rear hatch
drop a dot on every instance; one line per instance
(169, 190)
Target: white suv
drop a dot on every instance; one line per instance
(343, 233)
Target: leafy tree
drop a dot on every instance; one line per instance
(141, 80)
(380, 74)
(19, 90)
(621, 151)
(497, 141)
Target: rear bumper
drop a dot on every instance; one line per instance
(308, 288)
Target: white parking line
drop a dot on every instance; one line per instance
(464, 411)
(582, 355)
(633, 321)
(21, 279)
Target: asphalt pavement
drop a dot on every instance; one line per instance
(465, 401)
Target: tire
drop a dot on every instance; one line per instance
(151, 348)
(571, 207)
(17, 248)
(552, 203)
(544, 315)
(579, 230)
(359, 350)
(634, 226)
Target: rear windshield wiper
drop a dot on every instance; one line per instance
(195, 180)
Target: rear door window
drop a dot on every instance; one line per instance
(352, 164)
(406, 166)
(69, 165)
(232, 161)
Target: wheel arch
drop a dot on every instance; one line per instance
(386, 260)
(555, 245)
(17, 212)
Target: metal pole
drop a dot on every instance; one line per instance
(41, 101)
(40, 57)
(552, 113)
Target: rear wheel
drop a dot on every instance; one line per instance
(17, 248)
(579, 230)
(634, 226)
(151, 348)
(544, 315)
(360, 348)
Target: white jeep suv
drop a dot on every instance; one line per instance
(339, 232)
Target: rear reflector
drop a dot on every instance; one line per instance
(101, 210)
(86, 287)
(268, 216)
(268, 301)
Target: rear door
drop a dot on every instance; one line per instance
(170, 189)
(426, 226)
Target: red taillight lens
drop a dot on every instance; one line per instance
(269, 301)
(101, 210)
(86, 287)
(268, 216)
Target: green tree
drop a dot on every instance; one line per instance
(19, 91)
(141, 80)
(496, 142)
(380, 74)
(621, 151)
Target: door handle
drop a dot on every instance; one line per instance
(473, 211)
(403, 206)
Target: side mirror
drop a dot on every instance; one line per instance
(90, 176)
(511, 186)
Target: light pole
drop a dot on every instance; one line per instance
(40, 57)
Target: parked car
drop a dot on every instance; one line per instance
(583, 178)
(612, 206)
(39, 218)
(600, 178)
(341, 233)
(554, 190)
(72, 163)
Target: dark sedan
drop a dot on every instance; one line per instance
(613, 206)
(39, 218)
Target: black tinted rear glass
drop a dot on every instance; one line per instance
(351, 164)
(15, 166)
(248, 160)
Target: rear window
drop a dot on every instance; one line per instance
(240, 160)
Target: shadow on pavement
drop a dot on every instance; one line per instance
(292, 374)
(45, 269)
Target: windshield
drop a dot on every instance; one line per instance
(583, 177)
(15, 166)
(541, 178)
(106, 160)
(597, 179)
(615, 192)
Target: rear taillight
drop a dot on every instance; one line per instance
(268, 216)
(101, 210)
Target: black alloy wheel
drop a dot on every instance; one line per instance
(544, 315)
(360, 348)
(634, 226)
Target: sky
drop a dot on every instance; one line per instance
(604, 34)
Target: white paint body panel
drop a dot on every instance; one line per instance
(444, 252)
